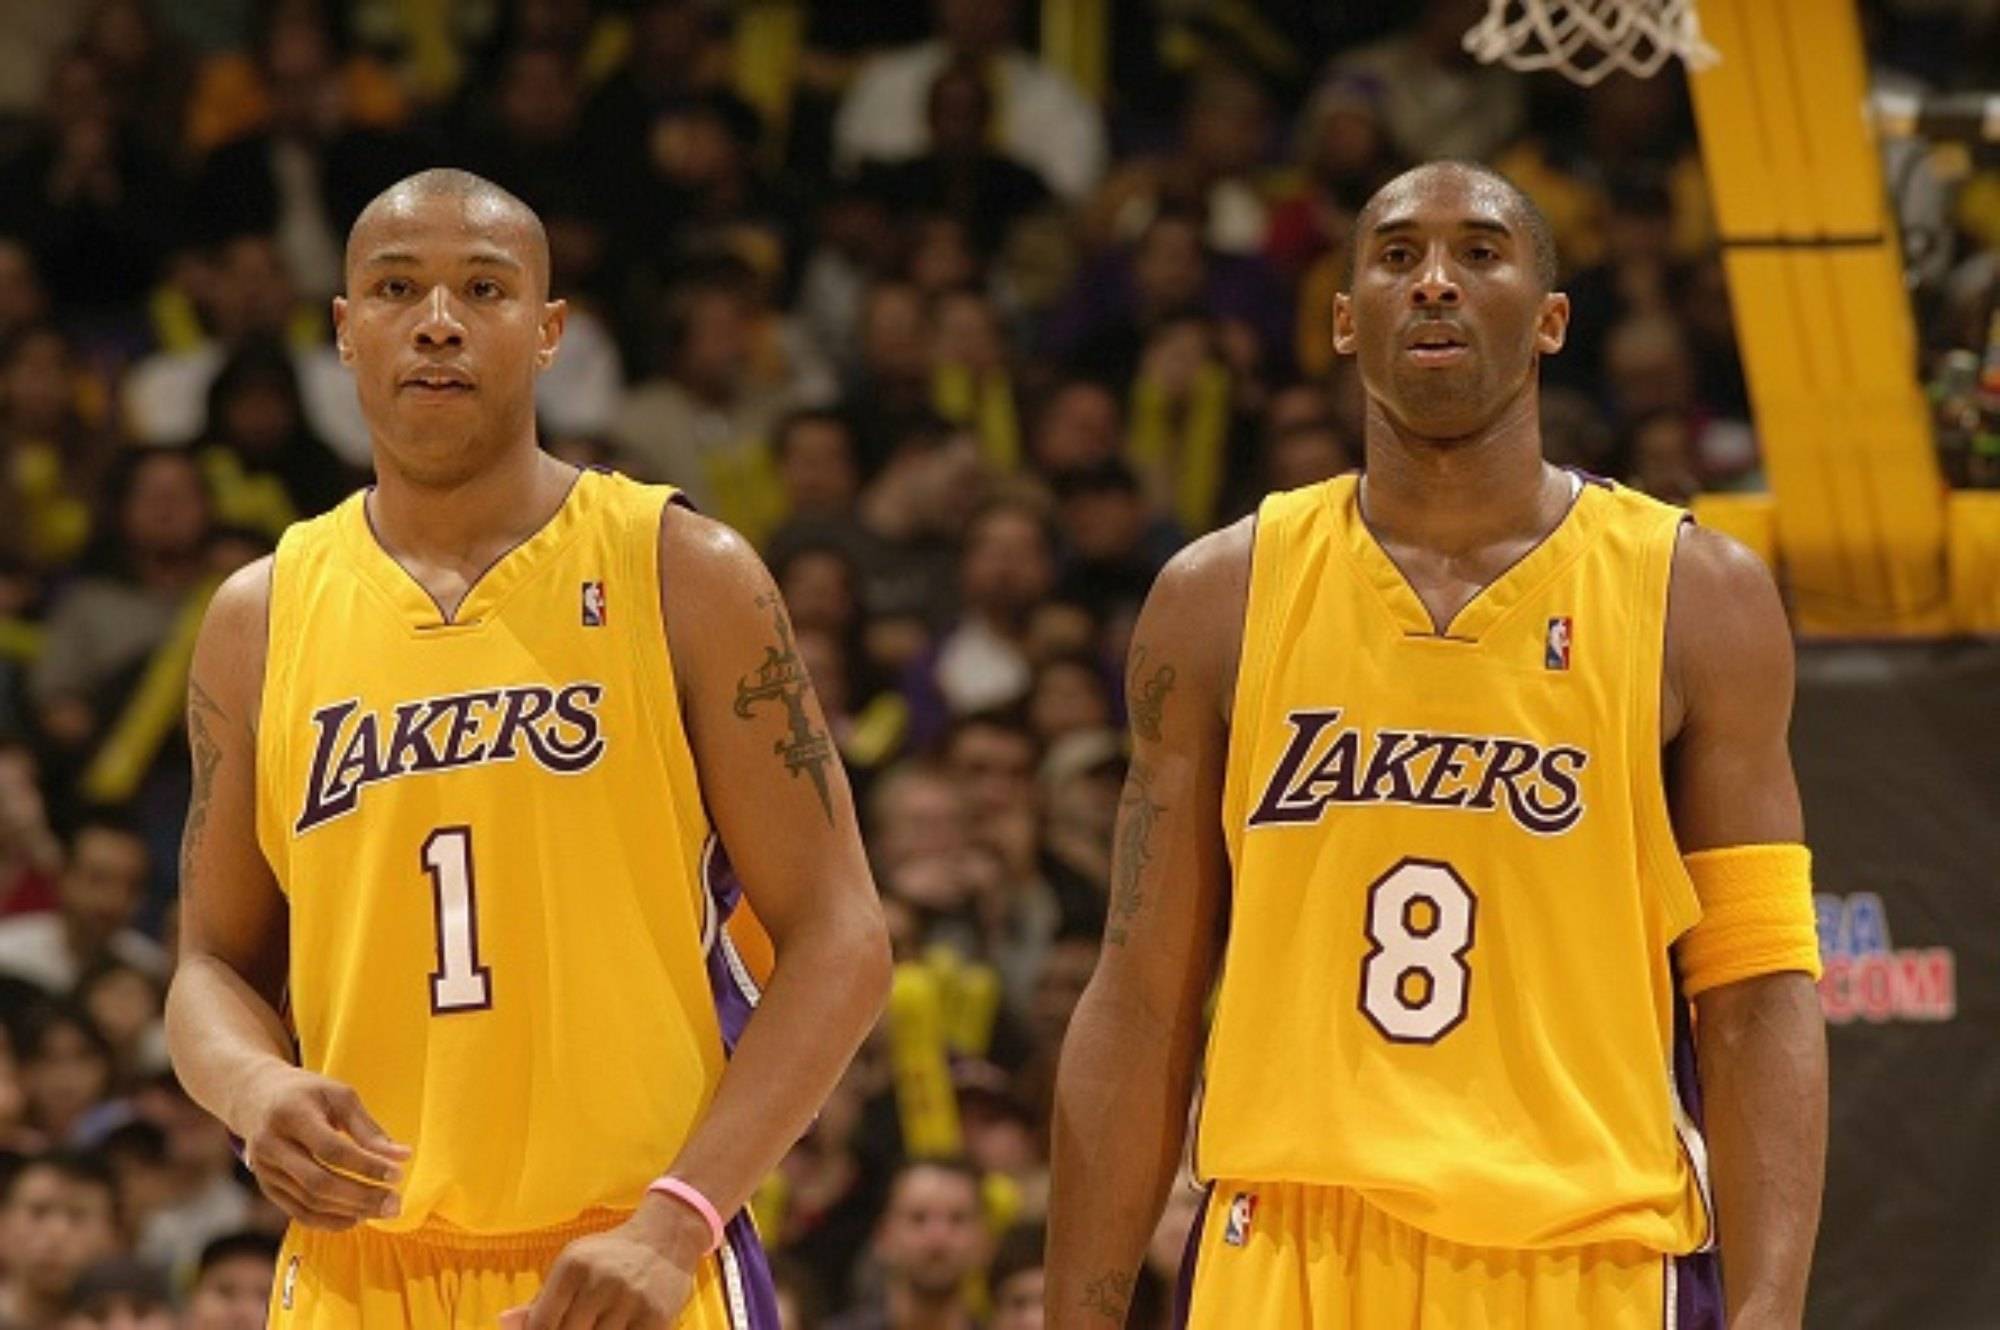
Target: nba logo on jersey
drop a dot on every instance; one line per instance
(1236, 1224)
(593, 604)
(291, 1283)
(1555, 655)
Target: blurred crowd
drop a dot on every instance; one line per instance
(968, 313)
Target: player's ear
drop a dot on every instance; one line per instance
(1552, 326)
(340, 342)
(555, 314)
(1343, 323)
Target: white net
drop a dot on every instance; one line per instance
(1586, 40)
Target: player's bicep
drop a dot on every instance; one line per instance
(231, 907)
(1730, 779)
(769, 771)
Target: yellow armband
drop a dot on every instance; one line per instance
(1756, 916)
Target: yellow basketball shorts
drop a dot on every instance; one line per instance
(430, 1281)
(1279, 1256)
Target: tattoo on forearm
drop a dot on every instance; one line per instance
(1109, 1295)
(782, 678)
(207, 754)
(1138, 814)
(1148, 696)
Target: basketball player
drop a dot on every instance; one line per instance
(467, 751)
(1499, 758)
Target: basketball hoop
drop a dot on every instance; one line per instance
(1588, 40)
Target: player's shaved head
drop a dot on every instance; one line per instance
(483, 209)
(1520, 210)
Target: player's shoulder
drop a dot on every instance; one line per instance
(1726, 622)
(698, 552)
(1713, 572)
(243, 599)
(1208, 567)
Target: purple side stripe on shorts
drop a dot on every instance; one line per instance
(1698, 1291)
(1184, 1284)
(747, 1288)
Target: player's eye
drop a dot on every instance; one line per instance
(1481, 253)
(395, 288)
(1397, 254)
(485, 288)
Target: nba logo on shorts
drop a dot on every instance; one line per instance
(1236, 1225)
(1555, 655)
(593, 604)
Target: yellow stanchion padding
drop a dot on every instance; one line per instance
(1972, 553)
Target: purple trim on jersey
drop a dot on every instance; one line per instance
(760, 1292)
(1698, 1275)
(1184, 1284)
(734, 1003)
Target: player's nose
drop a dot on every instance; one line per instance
(1436, 284)
(439, 324)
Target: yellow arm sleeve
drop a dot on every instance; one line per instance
(1756, 916)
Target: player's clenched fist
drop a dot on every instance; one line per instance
(611, 1281)
(637, 1276)
(315, 1151)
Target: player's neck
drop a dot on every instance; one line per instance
(468, 525)
(1462, 496)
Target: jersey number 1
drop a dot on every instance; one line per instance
(1415, 984)
(460, 982)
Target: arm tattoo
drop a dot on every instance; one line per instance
(1149, 696)
(1138, 815)
(207, 754)
(782, 678)
(1109, 1295)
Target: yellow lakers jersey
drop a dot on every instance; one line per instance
(1447, 984)
(505, 900)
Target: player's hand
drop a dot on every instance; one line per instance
(637, 1276)
(316, 1153)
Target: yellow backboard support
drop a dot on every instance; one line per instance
(1822, 319)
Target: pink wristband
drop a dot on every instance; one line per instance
(694, 1200)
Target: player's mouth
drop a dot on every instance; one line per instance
(438, 382)
(1435, 343)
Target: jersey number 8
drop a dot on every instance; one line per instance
(1415, 984)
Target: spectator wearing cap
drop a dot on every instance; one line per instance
(98, 896)
(1040, 118)
(119, 1294)
(232, 1285)
(930, 1243)
(58, 1216)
